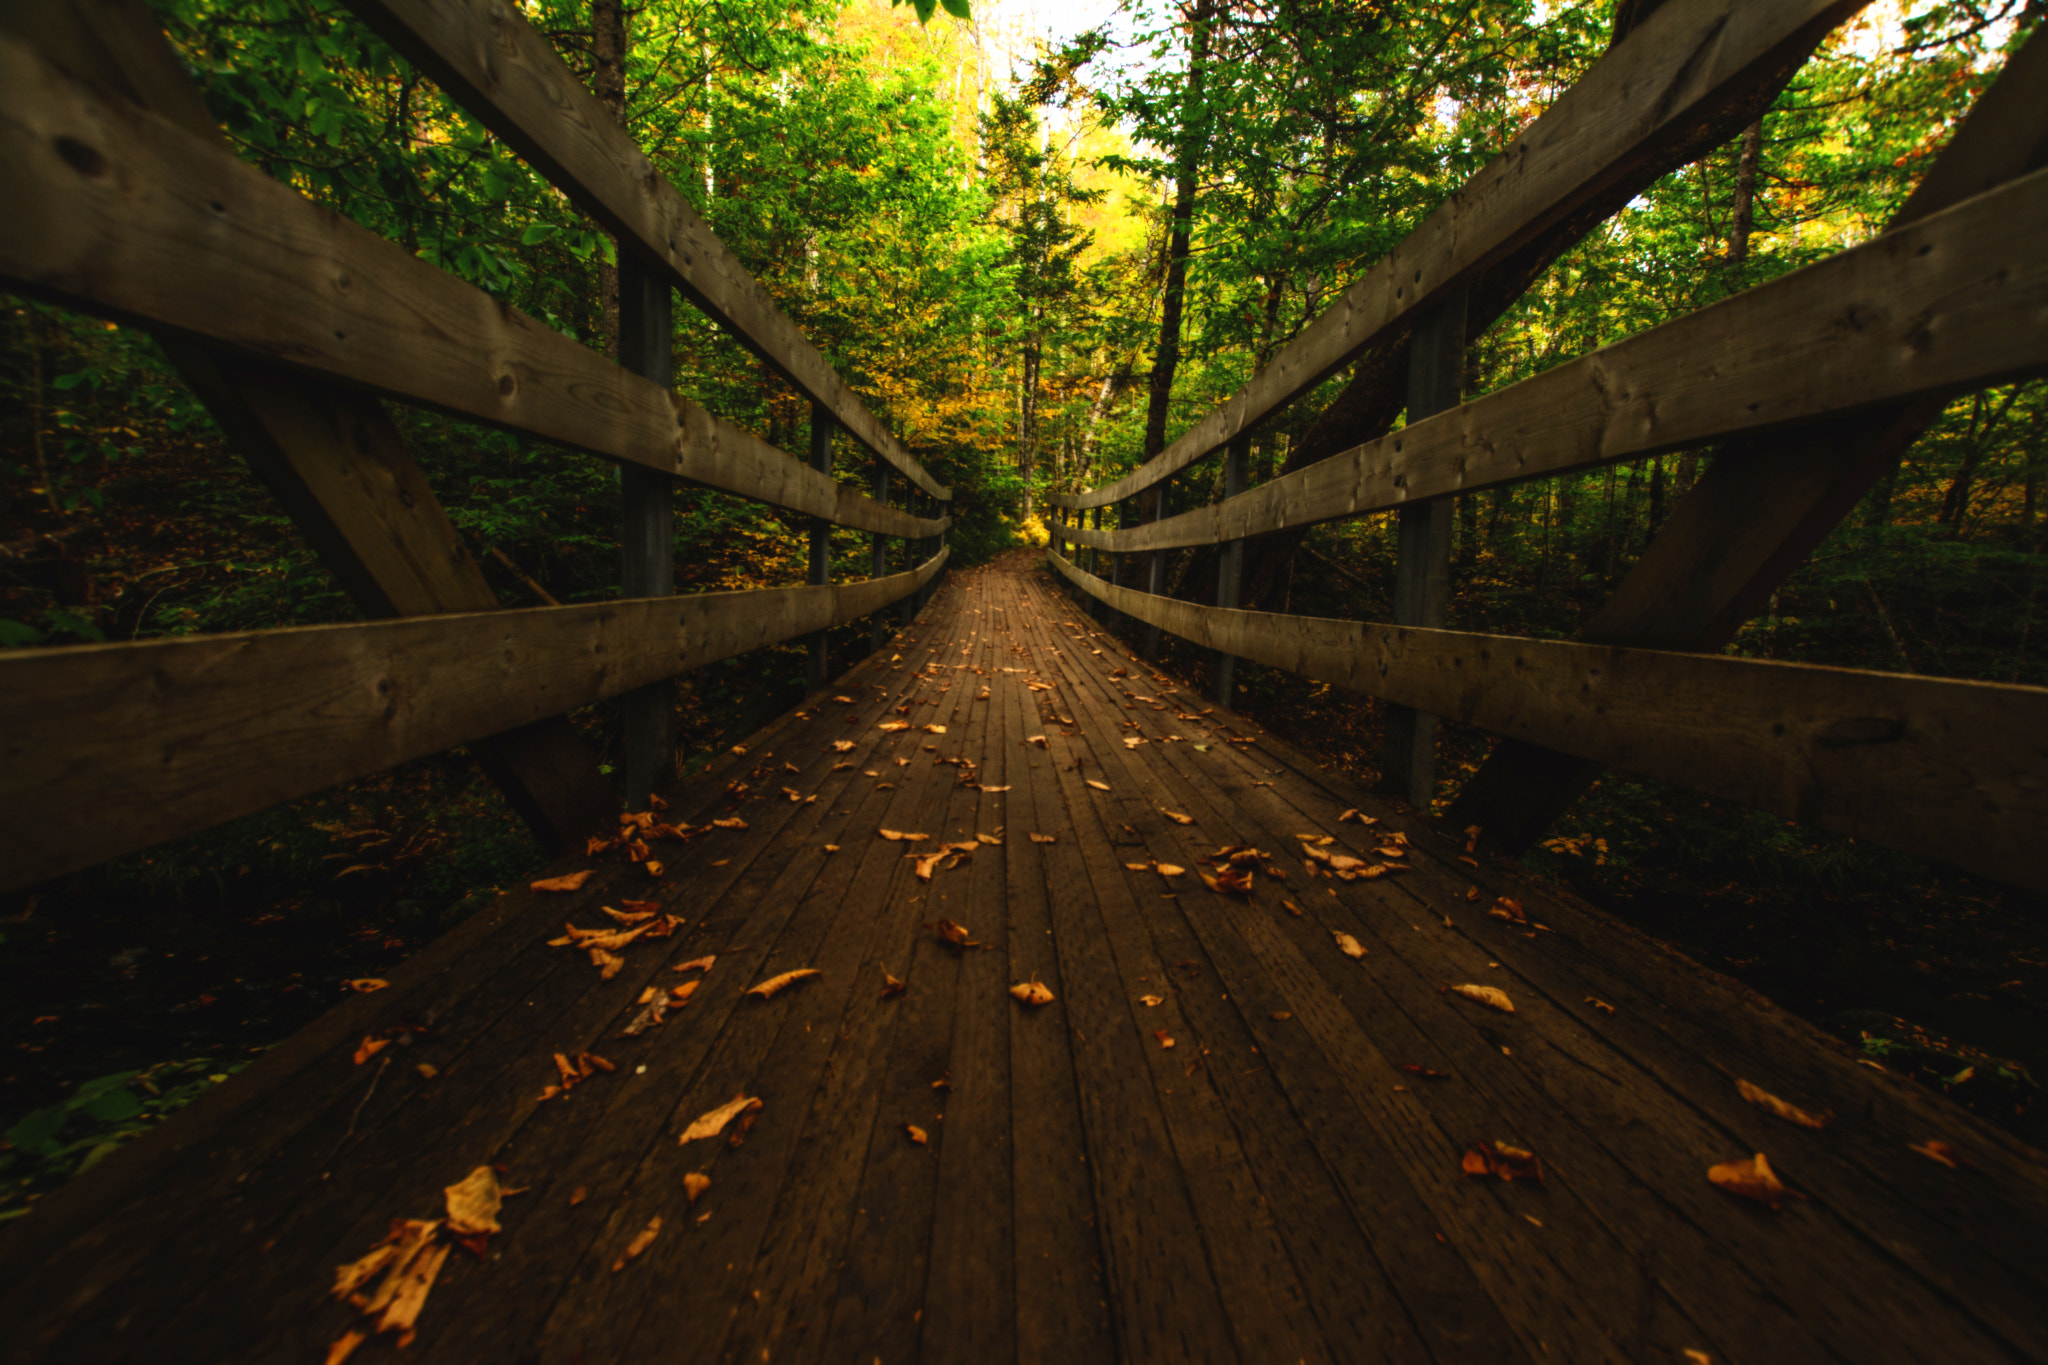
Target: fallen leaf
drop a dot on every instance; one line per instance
(1032, 992)
(1292, 908)
(1600, 1005)
(1043, 838)
(1099, 786)
(730, 822)
(1791, 1113)
(1348, 945)
(680, 995)
(694, 1185)
(363, 985)
(916, 1134)
(1150, 1000)
(1486, 995)
(473, 1202)
(582, 1193)
(428, 1070)
(926, 862)
(1752, 1179)
(1498, 1158)
(1934, 1149)
(891, 985)
(992, 839)
(640, 1243)
(1416, 1069)
(1039, 740)
(697, 964)
(412, 1283)
(897, 836)
(1176, 816)
(953, 934)
(1170, 869)
(369, 1048)
(776, 983)
(712, 1124)
(345, 1345)
(567, 882)
(841, 745)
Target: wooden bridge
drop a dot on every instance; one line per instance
(1009, 1000)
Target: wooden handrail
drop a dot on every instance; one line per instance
(1952, 302)
(1945, 768)
(1672, 74)
(132, 744)
(493, 63)
(125, 214)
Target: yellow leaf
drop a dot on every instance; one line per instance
(1171, 869)
(473, 1203)
(898, 836)
(1165, 1039)
(567, 882)
(893, 725)
(1769, 1103)
(1752, 1179)
(1043, 838)
(640, 1243)
(916, 1134)
(842, 745)
(694, 1185)
(1032, 992)
(1099, 786)
(712, 1124)
(1176, 816)
(363, 985)
(1148, 1001)
(1350, 946)
(935, 729)
(776, 983)
(1487, 995)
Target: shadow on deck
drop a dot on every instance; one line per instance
(1224, 1139)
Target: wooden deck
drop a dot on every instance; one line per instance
(1270, 1186)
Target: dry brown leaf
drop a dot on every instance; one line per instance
(428, 1070)
(1486, 995)
(1392, 851)
(413, 1281)
(567, 882)
(680, 995)
(1292, 908)
(1600, 1005)
(345, 1345)
(363, 985)
(1150, 1000)
(641, 1241)
(776, 983)
(694, 1185)
(916, 1135)
(953, 934)
(730, 822)
(893, 725)
(369, 1048)
(351, 1277)
(1043, 838)
(841, 745)
(697, 964)
(1039, 740)
(1176, 816)
(897, 836)
(1099, 786)
(1348, 945)
(1032, 992)
(473, 1203)
(582, 1192)
(1498, 1158)
(892, 986)
(712, 1124)
(1165, 1039)
(1169, 869)
(926, 862)
(1791, 1113)
(992, 839)
(1752, 1179)
(1934, 1149)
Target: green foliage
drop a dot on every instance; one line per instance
(77, 1133)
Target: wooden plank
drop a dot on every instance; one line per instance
(491, 61)
(1948, 769)
(1672, 74)
(1422, 566)
(1954, 302)
(647, 535)
(136, 743)
(156, 226)
(1763, 505)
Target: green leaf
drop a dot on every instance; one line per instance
(537, 233)
(17, 633)
(37, 1130)
(72, 623)
(925, 10)
(71, 381)
(957, 8)
(100, 1152)
(112, 1107)
(93, 1089)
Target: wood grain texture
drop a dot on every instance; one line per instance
(130, 216)
(1674, 72)
(1952, 770)
(136, 743)
(486, 55)
(1956, 301)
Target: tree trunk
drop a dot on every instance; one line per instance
(1745, 195)
(1027, 420)
(1187, 167)
(608, 82)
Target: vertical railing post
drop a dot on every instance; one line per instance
(1096, 609)
(1230, 567)
(1112, 620)
(646, 528)
(1155, 578)
(1422, 572)
(821, 542)
(878, 559)
(913, 502)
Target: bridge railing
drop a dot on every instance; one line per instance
(292, 323)
(1809, 386)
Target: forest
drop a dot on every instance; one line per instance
(1039, 255)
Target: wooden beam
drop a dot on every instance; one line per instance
(1673, 73)
(1422, 569)
(820, 543)
(1951, 303)
(647, 529)
(492, 62)
(136, 219)
(1950, 770)
(1763, 505)
(133, 744)
(330, 455)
